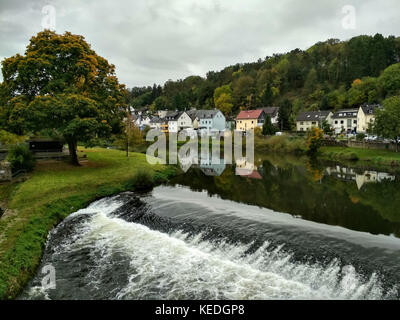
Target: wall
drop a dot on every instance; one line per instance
(373, 145)
(5, 171)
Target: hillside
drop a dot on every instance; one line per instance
(330, 75)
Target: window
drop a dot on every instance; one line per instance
(336, 122)
(313, 123)
(341, 122)
(355, 121)
(301, 122)
(252, 122)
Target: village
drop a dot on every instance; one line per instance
(347, 122)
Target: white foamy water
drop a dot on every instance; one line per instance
(178, 266)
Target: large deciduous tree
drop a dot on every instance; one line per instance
(61, 85)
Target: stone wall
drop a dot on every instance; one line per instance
(5, 171)
(373, 145)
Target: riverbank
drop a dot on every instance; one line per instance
(362, 157)
(53, 191)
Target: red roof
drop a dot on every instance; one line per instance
(249, 114)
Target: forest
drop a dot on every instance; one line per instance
(329, 75)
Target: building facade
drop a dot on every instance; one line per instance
(309, 119)
(366, 117)
(250, 119)
(345, 121)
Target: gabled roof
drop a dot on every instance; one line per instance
(202, 114)
(155, 120)
(249, 114)
(345, 113)
(370, 108)
(172, 115)
(313, 116)
(271, 111)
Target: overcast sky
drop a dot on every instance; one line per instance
(151, 41)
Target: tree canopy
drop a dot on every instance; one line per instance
(60, 84)
(321, 77)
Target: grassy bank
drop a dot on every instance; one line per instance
(280, 144)
(361, 156)
(55, 190)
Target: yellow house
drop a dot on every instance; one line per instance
(250, 119)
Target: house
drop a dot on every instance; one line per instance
(309, 119)
(273, 112)
(250, 119)
(155, 123)
(366, 116)
(207, 120)
(345, 121)
(162, 113)
(184, 121)
(172, 119)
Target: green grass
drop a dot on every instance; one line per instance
(53, 191)
(367, 156)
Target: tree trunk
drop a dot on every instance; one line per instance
(72, 151)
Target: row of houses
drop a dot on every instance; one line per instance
(206, 121)
(342, 121)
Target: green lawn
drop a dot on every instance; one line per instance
(52, 192)
(372, 156)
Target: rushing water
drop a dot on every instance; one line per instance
(282, 232)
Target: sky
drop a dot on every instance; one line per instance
(152, 41)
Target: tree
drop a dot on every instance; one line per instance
(390, 79)
(223, 99)
(62, 85)
(267, 96)
(268, 128)
(387, 121)
(314, 140)
(326, 127)
(284, 115)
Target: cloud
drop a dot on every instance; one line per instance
(156, 40)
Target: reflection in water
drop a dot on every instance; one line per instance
(308, 190)
(346, 174)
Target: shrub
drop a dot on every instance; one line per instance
(142, 181)
(21, 158)
(314, 140)
(360, 137)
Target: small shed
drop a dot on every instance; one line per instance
(45, 145)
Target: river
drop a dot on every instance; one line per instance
(286, 229)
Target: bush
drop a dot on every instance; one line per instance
(314, 140)
(21, 158)
(142, 181)
(360, 137)
(280, 144)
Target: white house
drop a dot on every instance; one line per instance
(155, 123)
(273, 112)
(345, 121)
(184, 121)
(211, 120)
(366, 116)
(309, 119)
(172, 119)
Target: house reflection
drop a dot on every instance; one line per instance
(350, 174)
(247, 169)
